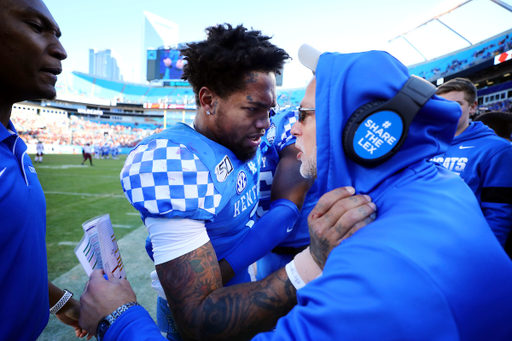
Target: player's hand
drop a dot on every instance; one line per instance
(70, 317)
(102, 297)
(337, 216)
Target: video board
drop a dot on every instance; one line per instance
(164, 64)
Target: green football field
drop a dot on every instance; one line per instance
(76, 193)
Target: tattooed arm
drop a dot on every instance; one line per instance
(204, 310)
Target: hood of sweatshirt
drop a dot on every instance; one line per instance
(346, 82)
(474, 131)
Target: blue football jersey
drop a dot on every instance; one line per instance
(180, 173)
(277, 137)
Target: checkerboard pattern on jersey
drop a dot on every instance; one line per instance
(287, 133)
(160, 177)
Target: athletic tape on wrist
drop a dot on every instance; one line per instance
(294, 276)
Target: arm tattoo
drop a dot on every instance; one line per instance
(252, 77)
(203, 309)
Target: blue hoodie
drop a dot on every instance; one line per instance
(484, 161)
(428, 268)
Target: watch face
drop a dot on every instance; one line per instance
(102, 329)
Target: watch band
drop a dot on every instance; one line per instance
(63, 300)
(107, 321)
(116, 313)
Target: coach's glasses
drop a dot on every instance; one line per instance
(303, 112)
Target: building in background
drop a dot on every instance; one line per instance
(157, 32)
(102, 64)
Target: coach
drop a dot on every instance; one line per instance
(30, 59)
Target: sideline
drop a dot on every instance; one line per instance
(138, 267)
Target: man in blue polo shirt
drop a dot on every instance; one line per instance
(30, 59)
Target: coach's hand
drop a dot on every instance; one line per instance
(102, 297)
(337, 216)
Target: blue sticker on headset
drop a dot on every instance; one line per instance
(378, 134)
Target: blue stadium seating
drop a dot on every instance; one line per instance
(134, 93)
(83, 84)
(80, 84)
(455, 62)
(107, 89)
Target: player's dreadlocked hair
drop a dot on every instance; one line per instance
(222, 61)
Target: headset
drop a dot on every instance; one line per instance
(375, 131)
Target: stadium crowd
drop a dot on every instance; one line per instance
(77, 131)
(490, 50)
(504, 106)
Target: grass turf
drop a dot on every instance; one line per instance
(74, 194)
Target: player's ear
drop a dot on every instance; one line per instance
(472, 108)
(207, 99)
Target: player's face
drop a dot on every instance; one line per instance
(467, 108)
(241, 119)
(30, 52)
(305, 132)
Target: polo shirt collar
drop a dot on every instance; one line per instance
(5, 133)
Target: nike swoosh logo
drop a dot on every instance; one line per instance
(466, 147)
(289, 229)
(3, 170)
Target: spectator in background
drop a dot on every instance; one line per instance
(481, 158)
(30, 60)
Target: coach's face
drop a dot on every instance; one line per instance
(305, 132)
(30, 52)
(239, 121)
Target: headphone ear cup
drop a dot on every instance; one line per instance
(362, 111)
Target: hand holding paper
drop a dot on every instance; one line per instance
(98, 248)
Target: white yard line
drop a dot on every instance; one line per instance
(68, 243)
(122, 226)
(86, 194)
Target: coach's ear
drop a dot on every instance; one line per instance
(208, 100)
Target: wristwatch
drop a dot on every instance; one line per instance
(107, 321)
